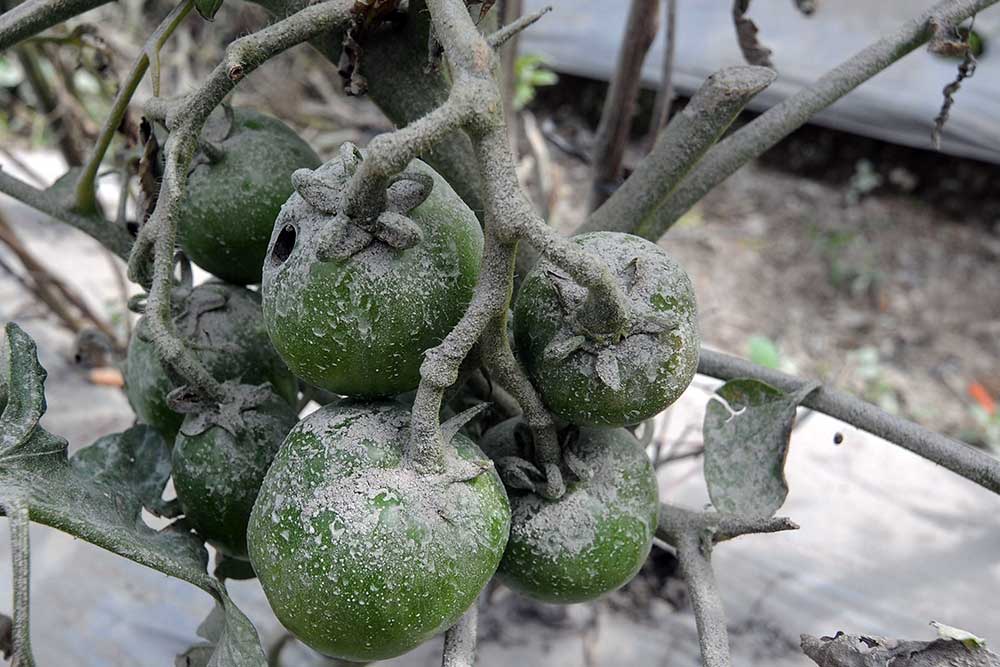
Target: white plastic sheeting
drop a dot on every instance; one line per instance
(899, 105)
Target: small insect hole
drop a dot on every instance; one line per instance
(283, 245)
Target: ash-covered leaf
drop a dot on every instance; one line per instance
(561, 348)
(231, 640)
(845, 650)
(747, 429)
(98, 495)
(607, 369)
(969, 640)
(137, 460)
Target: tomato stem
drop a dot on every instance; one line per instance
(86, 194)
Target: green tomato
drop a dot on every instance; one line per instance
(595, 537)
(218, 469)
(361, 556)
(595, 378)
(231, 203)
(222, 324)
(359, 325)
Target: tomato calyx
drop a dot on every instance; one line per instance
(323, 188)
(448, 469)
(202, 415)
(583, 319)
(518, 469)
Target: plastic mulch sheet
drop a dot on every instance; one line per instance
(899, 105)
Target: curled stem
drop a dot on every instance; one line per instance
(86, 196)
(185, 120)
(475, 105)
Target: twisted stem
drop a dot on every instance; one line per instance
(185, 120)
(86, 195)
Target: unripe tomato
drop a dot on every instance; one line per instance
(362, 557)
(218, 468)
(359, 324)
(594, 378)
(223, 327)
(231, 203)
(595, 537)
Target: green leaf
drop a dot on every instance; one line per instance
(207, 8)
(969, 640)
(747, 429)
(98, 496)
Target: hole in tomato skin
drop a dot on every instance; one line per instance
(283, 245)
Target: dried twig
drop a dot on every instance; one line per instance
(619, 105)
(754, 52)
(692, 132)
(965, 71)
(665, 93)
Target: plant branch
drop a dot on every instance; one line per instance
(694, 534)
(86, 192)
(960, 458)
(17, 515)
(460, 640)
(692, 132)
(772, 126)
(33, 16)
(157, 237)
(694, 558)
(114, 237)
(509, 31)
(665, 93)
(619, 104)
(475, 105)
(676, 522)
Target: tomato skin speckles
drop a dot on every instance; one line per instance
(217, 474)
(361, 557)
(359, 326)
(229, 339)
(595, 537)
(230, 205)
(609, 380)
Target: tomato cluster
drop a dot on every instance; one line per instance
(364, 554)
